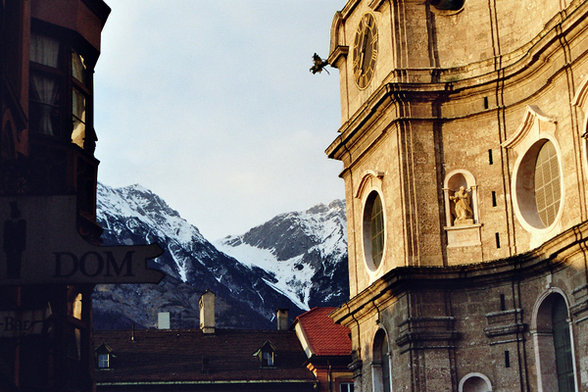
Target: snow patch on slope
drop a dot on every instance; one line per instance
(286, 246)
(137, 205)
(292, 277)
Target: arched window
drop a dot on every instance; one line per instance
(553, 345)
(381, 372)
(562, 345)
(452, 5)
(475, 382)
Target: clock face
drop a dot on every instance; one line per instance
(365, 50)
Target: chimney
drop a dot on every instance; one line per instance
(163, 320)
(206, 303)
(282, 317)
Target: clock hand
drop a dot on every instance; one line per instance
(362, 45)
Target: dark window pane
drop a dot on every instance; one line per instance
(377, 230)
(44, 50)
(78, 101)
(45, 104)
(563, 347)
(78, 68)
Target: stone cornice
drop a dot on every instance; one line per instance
(554, 254)
(337, 54)
(374, 109)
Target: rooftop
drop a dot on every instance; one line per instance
(324, 337)
(188, 355)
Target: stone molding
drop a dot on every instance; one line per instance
(504, 323)
(420, 333)
(580, 307)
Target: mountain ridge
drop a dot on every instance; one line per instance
(247, 294)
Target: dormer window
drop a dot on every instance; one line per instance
(104, 357)
(266, 355)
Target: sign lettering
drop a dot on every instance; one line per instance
(22, 323)
(91, 264)
(40, 244)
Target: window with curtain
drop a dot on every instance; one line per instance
(45, 84)
(59, 90)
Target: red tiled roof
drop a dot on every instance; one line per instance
(190, 355)
(323, 335)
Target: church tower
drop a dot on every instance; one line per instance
(464, 147)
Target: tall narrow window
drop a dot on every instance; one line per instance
(385, 366)
(79, 99)
(562, 345)
(377, 231)
(553, 338)
(77, 307)
(45, 85)
(381, 363)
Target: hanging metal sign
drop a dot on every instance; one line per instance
(40, 244)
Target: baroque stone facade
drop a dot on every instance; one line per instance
(464, 144)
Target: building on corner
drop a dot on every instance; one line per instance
(48, 50)
(328, 348)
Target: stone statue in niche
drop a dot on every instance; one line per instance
(464, 215)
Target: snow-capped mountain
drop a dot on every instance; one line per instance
(302, 272)
(306, 252)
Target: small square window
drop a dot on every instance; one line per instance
(267, 358)
(346, 387)
(103, 361)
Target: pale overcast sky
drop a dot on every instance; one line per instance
(210, 104)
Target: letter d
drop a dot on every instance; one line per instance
(64, 260)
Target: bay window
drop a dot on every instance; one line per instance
(60, 90)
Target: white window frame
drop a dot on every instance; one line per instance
(103, 361)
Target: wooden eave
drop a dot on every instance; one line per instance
(99, 8)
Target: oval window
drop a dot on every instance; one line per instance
(373, 230)
(538, 188)
(547, 184)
